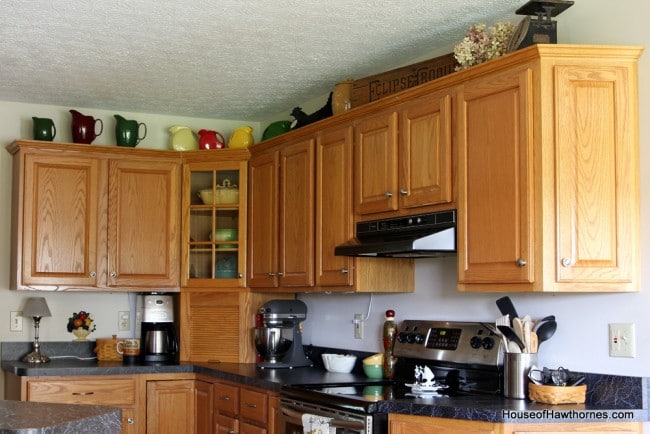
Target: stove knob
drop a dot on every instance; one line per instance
(488, 343)
(410, 338)
(401, 337)
(475, 342)
(419, 338)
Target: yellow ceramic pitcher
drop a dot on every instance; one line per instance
(242, 137)
(182, 139)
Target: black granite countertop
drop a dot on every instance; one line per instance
(39, 417)
(609, 398)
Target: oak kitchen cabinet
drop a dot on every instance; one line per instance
(243, 410)
(179, 406)
(548, 176)
(403, 157)
(89, 217)
(281, 216)
(407, 424)
(335, 225)
(116, 391)
(219, 178)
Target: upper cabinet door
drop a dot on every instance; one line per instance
(425, 174)
(297, 214)
(597, 175)
(144, 223)
(263, 218)
(334, 215)
(61, 221)
(375, 164)
(495, 185)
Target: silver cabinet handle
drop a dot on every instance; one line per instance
(388, 194)
(567, 262)
(130, 421)
(240, 275)
(521, 262)
(92, 274)
(280, 274)
(271, 274)
(344, 271)
(251, 405)
(113, 274)
(224, 398)
(403, 192)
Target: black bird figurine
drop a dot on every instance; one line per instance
(301, 118)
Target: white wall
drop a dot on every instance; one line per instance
(581, 340)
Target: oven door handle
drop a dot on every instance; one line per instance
(333, 423)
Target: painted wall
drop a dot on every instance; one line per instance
(581, 342)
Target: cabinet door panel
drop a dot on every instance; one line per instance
(375, 164)
(334, 215)
(61, 215)
(263, 221)
(496, 219)
(594, 188)
(297, 214)
(425, 152)
(144, 224)
(170, 407)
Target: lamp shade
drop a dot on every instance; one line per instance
(36, 306)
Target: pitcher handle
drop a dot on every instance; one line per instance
(221, 139)
(141, 124)
(101, 127)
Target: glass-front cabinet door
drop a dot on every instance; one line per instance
(214, 231)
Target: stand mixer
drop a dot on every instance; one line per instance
(279, 340)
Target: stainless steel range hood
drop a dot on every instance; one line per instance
(420, 236)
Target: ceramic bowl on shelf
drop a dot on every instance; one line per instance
(225, 235)
(338, 362)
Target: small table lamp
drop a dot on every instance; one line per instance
(36, 307)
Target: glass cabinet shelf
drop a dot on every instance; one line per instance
(214, 224)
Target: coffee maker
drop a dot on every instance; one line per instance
(279, 338)
(158, 341)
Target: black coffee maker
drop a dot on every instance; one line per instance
(158, 341)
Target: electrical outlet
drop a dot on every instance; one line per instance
(16, 321)
(358, 325)
(124, 320)
(622, 340)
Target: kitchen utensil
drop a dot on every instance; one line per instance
(511, 336)
(546, 331)
(503, 320)
(182, 139)
(43, 129)
(242, 137)
(127, 132)
(534, 343)
(507, 308)
(84, 128)
(209, 139)
(339, 362)
(373, 371)
(538, 323)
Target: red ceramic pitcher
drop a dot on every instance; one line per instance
(209, 139)
(84, 128)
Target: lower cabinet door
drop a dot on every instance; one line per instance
(170, 407)
(225, 425)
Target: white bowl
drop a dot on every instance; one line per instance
(339, 362)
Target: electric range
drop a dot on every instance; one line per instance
(465, 359)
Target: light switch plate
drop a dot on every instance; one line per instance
(124, 321)
(622, 340)
(358, 326)
(15, 321)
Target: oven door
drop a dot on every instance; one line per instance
(292, 412)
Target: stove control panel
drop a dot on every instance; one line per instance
(449, 341)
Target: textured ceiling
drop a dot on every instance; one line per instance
(222, 59)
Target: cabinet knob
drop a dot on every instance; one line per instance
(271, 274)
(113, 274)
(130, 421)
(388, 194)
(280, 274)
(344, 271)
(92, 274)
(567, 262)
(403, 192)
(521, 262)
(239, 275)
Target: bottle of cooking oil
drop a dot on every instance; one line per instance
(390, 330)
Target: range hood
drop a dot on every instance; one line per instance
(419, 236)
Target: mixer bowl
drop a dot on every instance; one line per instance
(272, 343)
